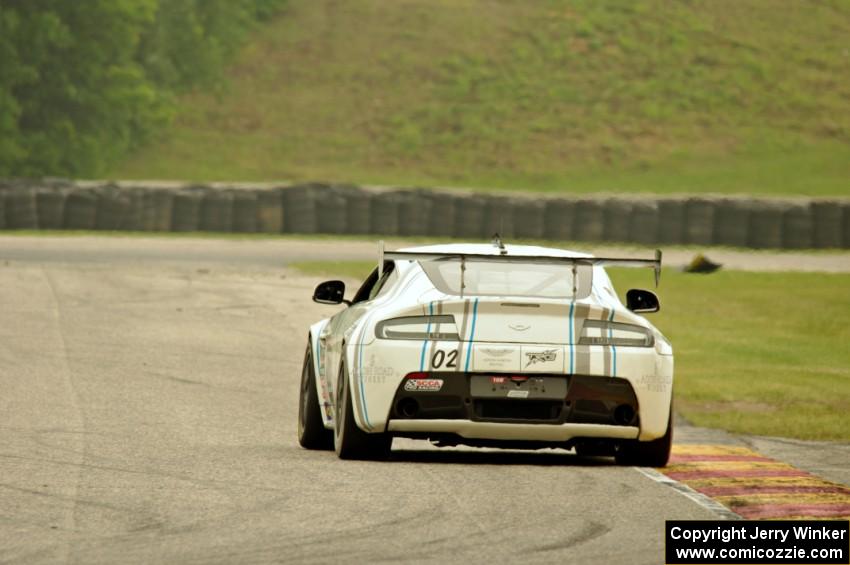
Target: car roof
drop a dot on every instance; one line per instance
(491, 249)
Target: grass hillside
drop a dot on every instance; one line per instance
(747, 96)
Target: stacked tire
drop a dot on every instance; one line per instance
(699, 221)
(216, 211)
(415, 209)
(113, 208)
(470, 216)
(299, 206)
(20, 207)
(50, 207)
(528, 218)
(385, 213)
(499, 217)
(618, 220)
(559, 219)
(358, 203)
(671, 221)
(644, 222)
(766, 225)
(732, 222)
(343, 209)
(186, 209)
(443, 220)
(797, 226)
(270, 210)
(827, 217)
(589, 220)
(244, 211)
(81, 209)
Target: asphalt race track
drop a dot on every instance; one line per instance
(148, 414)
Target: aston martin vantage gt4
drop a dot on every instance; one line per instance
(489, 345)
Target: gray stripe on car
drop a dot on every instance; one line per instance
(434, 342)
(462, 333)
(606, 349)
(582, 353)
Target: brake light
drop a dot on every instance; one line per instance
(436, 328)
(417, 375)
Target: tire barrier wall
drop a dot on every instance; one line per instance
(793, 223)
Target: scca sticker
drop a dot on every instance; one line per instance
(423, 385)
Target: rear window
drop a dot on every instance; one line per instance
(509, 278)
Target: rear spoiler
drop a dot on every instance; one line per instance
(654, 264)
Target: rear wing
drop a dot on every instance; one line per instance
(654, 264)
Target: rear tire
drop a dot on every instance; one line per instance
(350, 442)
(312, 433)
(655, 453)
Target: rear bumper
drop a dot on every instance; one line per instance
(379, 368)
(544, 399)
(513, 432)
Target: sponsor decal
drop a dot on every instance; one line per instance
(498, 380)
(376, 374)
(423, 385)
(492, 352)
(541, 356)
(493, 358)
(655, 383)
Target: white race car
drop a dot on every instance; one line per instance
(489, 345)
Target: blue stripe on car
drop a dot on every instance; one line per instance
(425, 341)
(572, 347)
(471, 335)
(317, 361)
(613, 347)
(360, 378)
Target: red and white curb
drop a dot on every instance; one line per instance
(736, 482)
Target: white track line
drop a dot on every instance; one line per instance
(683, 489)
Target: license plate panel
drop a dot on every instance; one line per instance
(507, 386)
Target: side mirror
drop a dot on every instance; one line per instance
(642, 301)
(330, 292)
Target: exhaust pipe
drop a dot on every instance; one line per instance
(408, 407)
(624, 414)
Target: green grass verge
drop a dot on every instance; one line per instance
(730, 96)
(354, 270)
(756, 353)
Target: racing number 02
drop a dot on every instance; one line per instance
(449, 358)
